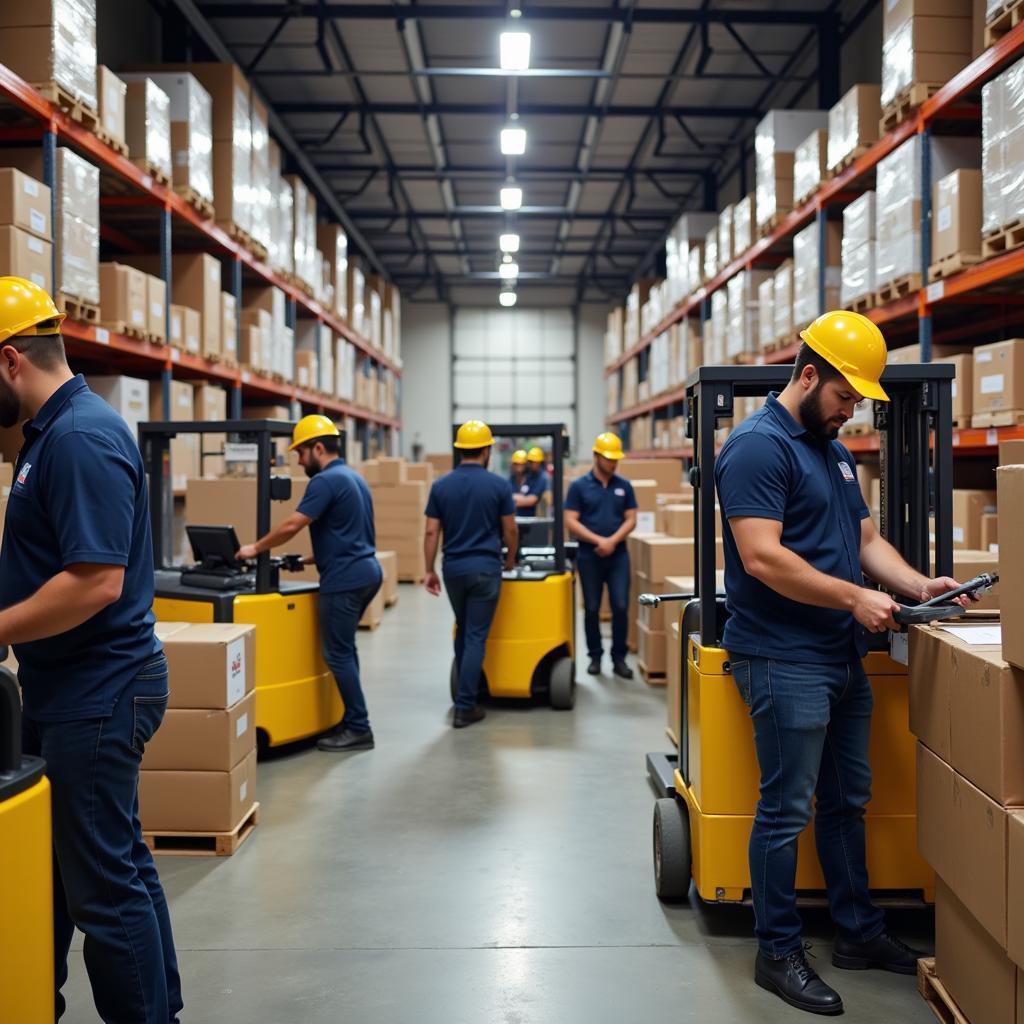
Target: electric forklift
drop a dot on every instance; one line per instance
(531, 645)
(296, 697)
(707, 789)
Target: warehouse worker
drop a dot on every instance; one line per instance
(533, 485)
(518, 474)
(600, 511)
(475, 512)
(76, 592)
(797, 538)
(338, 509)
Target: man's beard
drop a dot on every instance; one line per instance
(812, 417)
(10, 407)
(311, 469)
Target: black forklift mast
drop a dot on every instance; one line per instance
(155, 442)
(559, 437)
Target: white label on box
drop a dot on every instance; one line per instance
(235, 452)
(38, 279)
(147, 181)
(32, 188)
(215, 274)
(181, 158)
(992, 384)
(113, 96)
(156, 308)
(35, 245)
(936, 291)
(138, 316)
(37, 219)
(103, 335)
(983, 357)
(192, 343)
(993, 549)
(992, 437)
(246, 376)
(956, 438)
(899, 647)
(241, 725)
(235, 666)
(175, 356)
(958, 534)
(243, 791)
(645, 522)
(952, 390)
(945, 218)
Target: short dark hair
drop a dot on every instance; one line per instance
(331, 443)
(808, 357)
(45, 351)
(473, 453)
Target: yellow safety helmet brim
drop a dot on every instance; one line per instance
(867, 388)
(312, 427)
(606, 454)
(854, 345)
(473, 435)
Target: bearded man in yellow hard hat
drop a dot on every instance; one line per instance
(338, 509)
(798, 539)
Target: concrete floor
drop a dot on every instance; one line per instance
(501, 873)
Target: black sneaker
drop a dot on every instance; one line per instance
(467, 716)
(884, 952)
(594, 668)
(794, 981)
(622, 670)
(346, 739)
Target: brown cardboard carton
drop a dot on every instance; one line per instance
(974, 970)
(389, 568)
(197, 284)
(667, 473)
(1011, 453)
(25, 255)
(182, 401)
(962, 387)
(111, 93)
(24, 203)
(307, 370)
(929, 679)
(123, 297)
(171, 801)
(999, 377)
(968, 564)
(651, 650)
(185, 329)
(441, 461)
(896, 12)
(1010, 484)
(374, 614)
(968, 508)
(212, 665)
(210, 405)
(203, 739)
(420, 471)
(912, 353)
(661, 557)
(228, 328)
(391, 471)
(164, 630)
(956, 215)
(990, 533)
(250, 346)
(1015, 886)
(156, 298)
(410, 494)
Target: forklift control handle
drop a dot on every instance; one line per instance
(653, 600)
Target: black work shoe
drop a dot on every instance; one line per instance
(622, 670)
(346, 739)
(594, 668)
(884, 951)
(795, 982)
(467, 716)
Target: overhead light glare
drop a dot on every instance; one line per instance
(511, 198)
(509, 242)
(515, 51)
(513, 141)
(508, 271)
(507, 298)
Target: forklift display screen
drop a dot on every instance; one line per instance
(214, 545)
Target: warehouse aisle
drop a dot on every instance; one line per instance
(497, 874)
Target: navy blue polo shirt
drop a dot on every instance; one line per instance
(602, 509)
(535, 484)
(80, 496)
(770, 467)
(339, 502)
(469, 502)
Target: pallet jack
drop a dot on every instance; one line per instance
(708, 788)
(531, 645)
(296, 697)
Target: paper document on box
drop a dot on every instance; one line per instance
(977, 636)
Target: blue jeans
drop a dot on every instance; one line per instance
(104, 878)
(339, 619)
(811, 728)
(596, 573)
(474, 599)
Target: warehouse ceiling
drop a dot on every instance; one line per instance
(634, 111)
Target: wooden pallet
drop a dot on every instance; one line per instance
(1009, 17)
(863, 304)
(391, 603)
(857, 430)
(896, 112)
(128, 330)
(297, 282)
(75, 108)
(935, 995)
(199, 203)
(1003, 239)
(962, 422)
(243, 238)
(204, 844)
(156, 173)
(851, 157)
(87, 312)
(1001, 418)
(953, 264)
(651, 678)
(773, 222)
(772, 346)
(117, 145)
(898, 289)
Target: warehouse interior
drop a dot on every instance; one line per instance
(383, 224)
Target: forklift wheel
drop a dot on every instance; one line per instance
(562, 684)
(672, 863)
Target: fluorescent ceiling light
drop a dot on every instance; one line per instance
(513, 141)
(509, 242)
(508, 271)
(507, 298)
(515, 51)
(511, 198)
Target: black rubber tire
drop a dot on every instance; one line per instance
(562, 684)
(673, 866)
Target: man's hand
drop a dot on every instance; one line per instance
(941, 585)
(246, 553)
(510, 564)
(606, 548)
(432, 582)
(874, 610)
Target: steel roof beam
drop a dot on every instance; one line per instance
(498, 109)
(526, 212)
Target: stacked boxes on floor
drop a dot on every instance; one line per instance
(400, 491)
(199, 769)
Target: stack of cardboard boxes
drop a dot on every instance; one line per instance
(808, 259)
(26, 234)
(400, 490)
(775, 140)
(998, 373)
(199, 769)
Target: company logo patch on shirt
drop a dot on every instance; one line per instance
(23, 473)
(848, 474)
(525, 489)
(620, 492)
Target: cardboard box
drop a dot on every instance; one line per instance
(999, 377)
(182, 401)
(211, 404)
(912, 353)
(25, 204)
(389, 567)
(666, 473)
(1015, 887)
(123, 297)
(197, 284)
(211, 664)
(111, 93)
(1010, 486)
(968, 564)
(661, 557)
(411, 494)
(990, 533)
(156, 299)
(420, 471)
(28, 256)
(203, 739)
(185, 329)
(128, 396)
(679, 520)
(956, 214)
(968, 508)
(374, 614)
(148, 125)
(441, 461)
(651, 649)
(197, 801)
(962, 387)
(228, 328)
(391, 471)
(1011, 453)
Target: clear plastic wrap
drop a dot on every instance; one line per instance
(765, 314)
(148, 124)
(807, 262)
(743, 225)
(776, 137)
(898, 207)
(809, 165)
(859, 220)
(853, 123)
(285, 228)
(897, 62)
(714, 342)
(1003, 149)
(858, 277)
(695, 263)
(783, 310)
(259, 174)
(725, 236)
(924, 49)
(711, 254)
(77, 230)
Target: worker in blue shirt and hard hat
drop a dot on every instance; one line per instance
(533, 485)
(474, 511)
(600, 511)
(76, 596)
(798, 539)
(517, 474)
(338, 509)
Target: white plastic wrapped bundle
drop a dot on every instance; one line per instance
(711, 254)
(259, 174)
(898, 226)
(674, 277)
(859, 220)
(736, 330)
(805, 276)
(695, 268)
(285, 228)
(77, 231)
(714, 344)
(776, 138)
(858, 266)
(784, 303)
(807, 165)
(897, 62)
(157, 126)
(1003, 149)
(765, 313)
(743, 225)
(725, 241)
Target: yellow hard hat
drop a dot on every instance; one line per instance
(309, 428)
(854, 346)
(474, 434)
(610, 446)
(536, 455)
(25, 306)
(519, 457)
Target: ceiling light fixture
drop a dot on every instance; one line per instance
(508, 271)
(511, 198)
(514, 50)
(513, 141)
(507, 298)
(508, 242)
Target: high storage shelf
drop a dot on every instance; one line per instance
(965, 288)
(91, 341)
